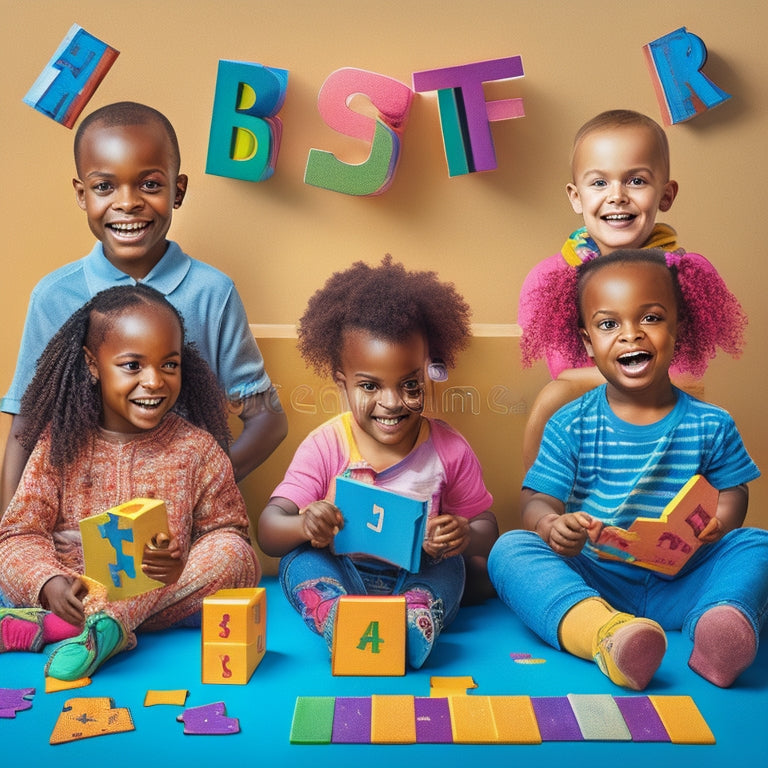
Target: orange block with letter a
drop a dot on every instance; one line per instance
(369, 636)
(234, 634)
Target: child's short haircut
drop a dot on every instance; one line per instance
(709, 315)
(625, 118)
(389, 302)
(126, 113)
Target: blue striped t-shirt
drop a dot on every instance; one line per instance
(616, 471)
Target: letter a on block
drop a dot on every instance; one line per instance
(682, 89)
(245, 134)
(392, 100)
(369, 636)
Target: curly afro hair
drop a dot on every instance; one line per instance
(62, 394)
(709, 315)
(389, 302)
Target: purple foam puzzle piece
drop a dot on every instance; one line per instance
(208, 720)
(13, 700)
(352, 720)
(433, 720)
(641, 718)
(556, 719)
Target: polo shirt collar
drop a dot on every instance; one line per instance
(166, 276)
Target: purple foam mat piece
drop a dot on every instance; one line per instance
(433, 720)
(641, 718)
(352, 720)
(556, 720)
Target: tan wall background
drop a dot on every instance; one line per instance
(281, 239)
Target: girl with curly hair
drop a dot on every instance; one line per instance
(624, 450)
(380, 332)
(119, 408)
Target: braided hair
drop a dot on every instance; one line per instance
(63, 396)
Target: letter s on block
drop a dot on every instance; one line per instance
(682, 89)
(392, 99)
(245, 133)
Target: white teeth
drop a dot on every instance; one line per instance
(634, 358)
(149, 402)
(126, 227)
(618, 217)
(388, 422)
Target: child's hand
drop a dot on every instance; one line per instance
(447, 535)
(713, 531)
(568, 532)
(162, 560)
(62, 596)
(322, 521)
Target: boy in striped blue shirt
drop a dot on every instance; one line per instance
(624, 450)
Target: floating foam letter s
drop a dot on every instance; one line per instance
(675, 62)
(74, 72)
(392, 99)
(245, 134)
(464, 113)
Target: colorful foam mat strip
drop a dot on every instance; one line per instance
(472, 719)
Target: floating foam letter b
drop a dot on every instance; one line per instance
(464, 113)
(392, 99)
(675, 62)
(245, 133)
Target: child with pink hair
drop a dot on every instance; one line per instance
(623, 450)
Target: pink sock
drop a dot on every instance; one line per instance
(724, 645)
(18, 634)
(55, 629)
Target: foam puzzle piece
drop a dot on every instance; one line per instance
(392, 100)
(176, 697)
(433, 720)
(245, 134)
(641, 718)
(54, 685)
(113, 545)
(682, 720)
(515, 720)
(470, 109)
(87, 717)
(683, 91)
(472, 720)
(70, 78)
(381, 523)
(599, 717)
(235, 616)
(555, 718)
(666, 543)
(450, 686)
(393, 719)
(369, 636)
(208, 720)
(13, 700)
(313, 720)
(352, 720)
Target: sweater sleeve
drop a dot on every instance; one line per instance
(28, 554)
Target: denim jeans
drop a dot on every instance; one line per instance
(541, 586)
(338, 575)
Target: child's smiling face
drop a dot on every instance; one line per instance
(384, 384)
(138, 367)
(128, 186)
(620, 181)
(629, 311)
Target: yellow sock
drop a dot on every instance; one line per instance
(580, 626)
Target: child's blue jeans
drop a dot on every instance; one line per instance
(308, 574)
(541, 586)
